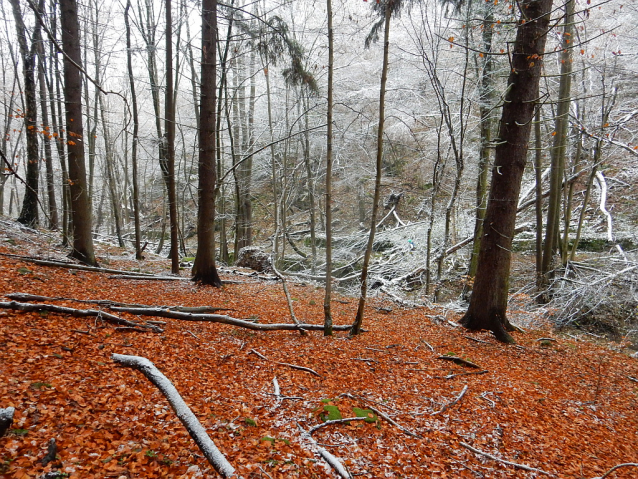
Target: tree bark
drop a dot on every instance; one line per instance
(29, 213)
(136, 127)
(204, 268)
(356, 326)
(327, 311)
(488, 304)
(80, 203)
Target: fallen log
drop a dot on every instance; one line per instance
(225, 319)
(79, 313)
(183, 412)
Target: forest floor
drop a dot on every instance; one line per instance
(563, 408)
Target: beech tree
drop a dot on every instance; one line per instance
(29, 213)
(488, 303)
(204, 269)
(80, 203)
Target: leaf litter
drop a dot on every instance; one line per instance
(566, 407)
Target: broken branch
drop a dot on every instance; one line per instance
(450, 404)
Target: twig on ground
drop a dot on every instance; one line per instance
(293, 366)
(394, 423)
(192, 334)
(477, 340)
(367, 360)
(450, 404)
(458, 360)
(84, 332)
(627, 464)
(450, 376)
(509, 463)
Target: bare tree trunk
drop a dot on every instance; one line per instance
(29, 213)
(327, 310)
(46, 139)
(559, 147)
(488, 304)
(136, 126)
(169, 128)
(356, 326)
(204, 269)
(80, 204)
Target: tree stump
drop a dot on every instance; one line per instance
(254, 258)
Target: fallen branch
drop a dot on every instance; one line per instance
(394, 423)
(109, 303)
(148, 278)
(509, 463)
(183, 412)
(450, 404)
(461, 361)
(79, 313)
(627, 464)
(328, 457)
(224, 319)
(450, 376)
(63, 264)
(293, 366)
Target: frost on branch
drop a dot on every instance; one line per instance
(183, 412)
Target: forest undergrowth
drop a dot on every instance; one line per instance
(436, 400)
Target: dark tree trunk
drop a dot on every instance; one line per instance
(169, 128)
(80, 204)
(136, 127)
(29, 213)
(204, 269)
(488, 304)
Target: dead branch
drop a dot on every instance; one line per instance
(627, 464)
(461, 361)
(450, 376)
(148, 278)
(498, 459)
(224, 319)
(450, 404)
(394, 423)
(6, 419)
(108, 302)
(293, 366)
(183, 412)
(328, 457)
(64, 264)
(78, 313)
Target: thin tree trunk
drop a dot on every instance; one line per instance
(136, 126)
(356, 326)
(327, 310)
(169, 128)
(559, 147)
(29, 213)
(46, 139)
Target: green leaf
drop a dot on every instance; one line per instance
(333, 413)
(250, 422)
(268, 438)
(368, 414)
